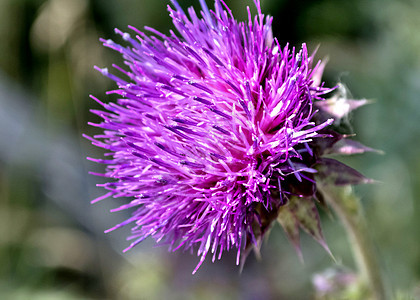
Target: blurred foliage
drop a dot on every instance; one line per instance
(52, 244)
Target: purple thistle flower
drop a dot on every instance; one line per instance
(216, 129)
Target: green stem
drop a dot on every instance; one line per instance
(349, 209)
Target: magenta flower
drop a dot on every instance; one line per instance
(215, 130)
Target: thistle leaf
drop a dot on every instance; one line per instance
(339, 173)
(349, 147)
(341, 107)
(340, 104)
(290, 226)
(329, 139)
(306, 214)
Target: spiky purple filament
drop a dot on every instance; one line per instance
(209, 125)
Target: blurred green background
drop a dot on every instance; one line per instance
(52, 244)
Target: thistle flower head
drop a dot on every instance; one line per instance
(216, 129)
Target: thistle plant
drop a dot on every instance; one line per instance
(219, 132)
